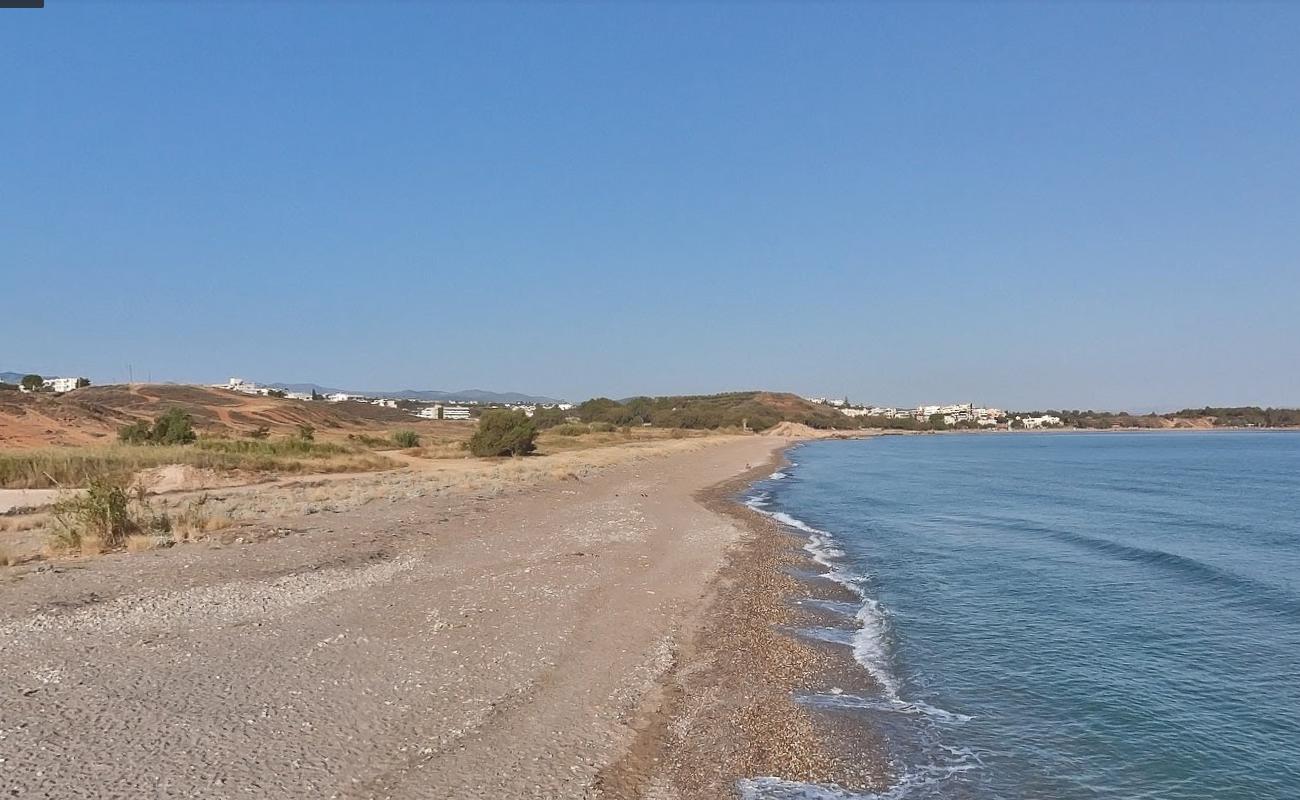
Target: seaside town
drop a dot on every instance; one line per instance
(950, 415)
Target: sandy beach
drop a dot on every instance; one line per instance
(525, 646)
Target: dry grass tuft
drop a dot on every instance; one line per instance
(7, 557)
(139, 542)
(217, 523)
(90, 545)
(439, 450)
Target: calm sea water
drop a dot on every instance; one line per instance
(1066, 616)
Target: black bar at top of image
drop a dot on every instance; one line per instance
(22, 3)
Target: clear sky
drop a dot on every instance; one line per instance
(1031, 205)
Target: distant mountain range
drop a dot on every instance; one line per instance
(12, 377)
(428, 395)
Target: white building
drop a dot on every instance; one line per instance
(1045, 421)
(61, 384)
(342, 397)
(455, 412)
(241, 385)
(429, 412)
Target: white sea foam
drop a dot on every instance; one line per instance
(871, 648)
(957, 761)
(778, 789)
(883, 704)
(870, 642)
(776, 476)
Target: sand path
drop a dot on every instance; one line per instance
(426, 648)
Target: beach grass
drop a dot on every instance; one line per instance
(63, 467)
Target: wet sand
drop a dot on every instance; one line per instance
(729, 711)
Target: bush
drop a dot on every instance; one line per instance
(306, 432)
(503, 433)
(405, 438)
(545, 418)
(570, 429)
(173, 427)
(102, 512)
(603, 427)
(260, 432)
(135, 433)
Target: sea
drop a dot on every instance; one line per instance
(1064, 616)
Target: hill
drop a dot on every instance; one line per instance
(94, 414)
(758, 410)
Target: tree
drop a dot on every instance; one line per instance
(937, 422)
(503, 433)
(32, 383)
(83, 383)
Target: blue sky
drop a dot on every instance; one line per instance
(1030, 205)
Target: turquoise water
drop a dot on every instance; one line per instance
(1065, 616)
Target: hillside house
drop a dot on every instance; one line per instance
(455, 412)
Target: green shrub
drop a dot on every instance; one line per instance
(545, 418)
(570, 429)
(173, 427)
(260, 432)
(603, 427)
(102, 511)
(135, 433)
(306, 432)
(503, 433)
(405, 438)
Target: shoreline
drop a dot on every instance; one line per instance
(728, 712)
